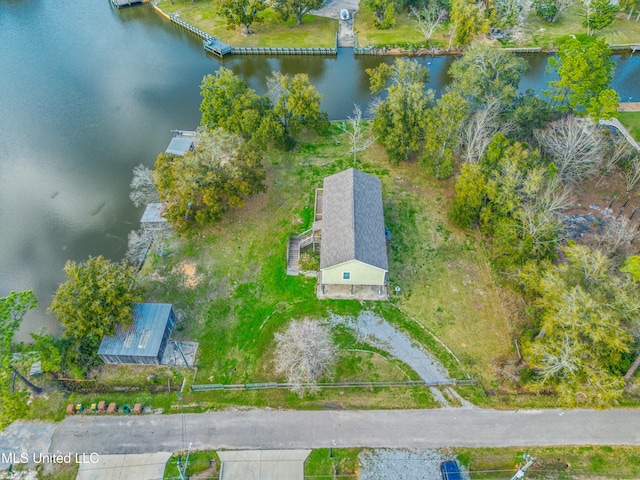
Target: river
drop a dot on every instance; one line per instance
(89, 91)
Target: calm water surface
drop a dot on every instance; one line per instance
(87, 92)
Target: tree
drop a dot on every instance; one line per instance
(305, 353)
(576, 148)
(469, 19)
(96, 298)
(359, 138)
(297, 8)
(511, 196)
(477, 133)
(229, 103)
(442, 126)
(428, 19)
(142, 189)
(550, 10)
(528, 112)
(599, 14)
(584, 311)
(584, 69)
(485, 74)
(399, 118)
(507, 13)
(13, 308)
(200, 186)
(384, 12)
(241, 12)
(296, 103)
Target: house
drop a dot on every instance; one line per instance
(353, 246)
(145, 340)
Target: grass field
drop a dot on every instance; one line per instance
(631, 120)
(270, 32)
(243, 296)
(490, 463)
(537, 32)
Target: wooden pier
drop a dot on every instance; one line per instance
(127, 3)
(282, 51)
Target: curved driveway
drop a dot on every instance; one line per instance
(272, 429)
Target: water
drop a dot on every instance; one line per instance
(88, 92)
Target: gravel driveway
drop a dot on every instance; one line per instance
(376, 331)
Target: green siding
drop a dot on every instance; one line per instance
(361, 274)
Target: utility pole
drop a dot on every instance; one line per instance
(182, 469)
(523, 469)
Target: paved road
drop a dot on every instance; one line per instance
(271, 429)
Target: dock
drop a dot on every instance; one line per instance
(127, 3)
(217, 47)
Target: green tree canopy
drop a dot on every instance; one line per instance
(383, 11)
(297, 8)
(584, 69)
(599, 14)
(399, 118)
(584, 311)
(470, 19)
(12, 309)
(200, 186)
(484, 74)
(241, 12)
(296, 103)
(97, 297)
(442, 124)
(229, 103)
(511, 195)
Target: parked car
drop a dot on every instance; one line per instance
(450, 471)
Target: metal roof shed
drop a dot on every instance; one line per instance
(145, 340)
(153, 217)
(180, 146)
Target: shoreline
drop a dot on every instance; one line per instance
(616, 49)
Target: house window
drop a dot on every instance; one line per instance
(346, 275)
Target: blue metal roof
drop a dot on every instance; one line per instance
(144, 337)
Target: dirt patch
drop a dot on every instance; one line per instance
(188, 271)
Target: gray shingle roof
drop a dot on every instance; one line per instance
(144, 337)
(353, 220)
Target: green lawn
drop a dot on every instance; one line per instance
(244, 296)
(272, 32)
(537, 32)
(631, 120)
(490, 463)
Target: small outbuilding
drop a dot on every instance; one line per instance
(153, 217)
(145, 340)
(181, 143)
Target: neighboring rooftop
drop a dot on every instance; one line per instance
(353, 220)
(145, 340)
(179, 146)
(154, 213)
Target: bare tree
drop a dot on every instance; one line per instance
(359, 138)
(139, 242)
(618, 232)
(618, 150)
(143, 190)
(428, 19)
(476, 135)
(305, 353)
(632, 172)
(575, 146)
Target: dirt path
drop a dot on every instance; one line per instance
(629, 107)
